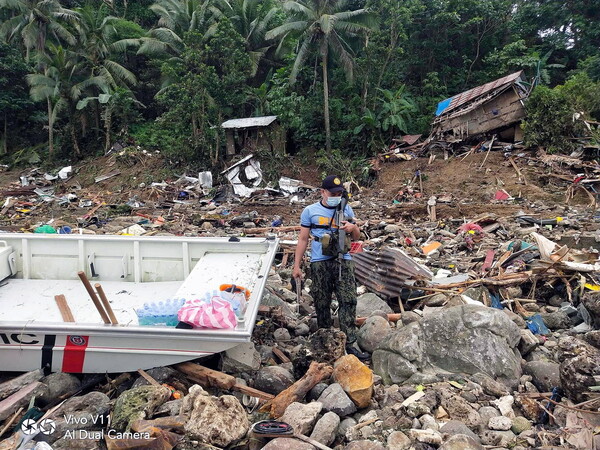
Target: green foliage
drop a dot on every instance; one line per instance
(550, 113)
(354, 169)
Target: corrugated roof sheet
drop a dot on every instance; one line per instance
(451, 103)
(249, 122)
(385, 271)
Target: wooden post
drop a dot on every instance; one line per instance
(106, 304)
(93, 296)
(63, 306)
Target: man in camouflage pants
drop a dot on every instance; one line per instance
(317, 221)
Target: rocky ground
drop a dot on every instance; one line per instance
(461, 362)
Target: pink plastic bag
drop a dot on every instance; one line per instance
(217, 313)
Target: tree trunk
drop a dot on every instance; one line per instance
(5, 146)
(50, 130)
(107, 127)
(326, 96)
(74, 139)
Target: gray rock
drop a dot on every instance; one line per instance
(410, 317)
(369, 302)
(137, 403)
(517, 319)
(302, 417)
(59, 384)
(288, 444)
(273, 379)
(334, 399)
(426, 436)
(579, 367)
(498, 438)
(558, 320)
(241, 358)
(281, 335)
(326, 428)
(87, 443)
(397, 440)
(16, 384)
(459, 409)
(593, 338)
(160, 374)
(591, 301)
(545, 374)
(489, 385)
(365, 445)
(218, 421)
(456, 427)
(316, 391)
(436, 300)
(302, 329)
(345, 425)
(374, 330)
(88, 412)
(520, 424)
(528, 342)
(486, 413)
(500, 423)
(461, 442)
(462, 339)
(170, 408)
(391, 229)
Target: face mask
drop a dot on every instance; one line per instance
(333, 201)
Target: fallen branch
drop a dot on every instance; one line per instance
(316, 373)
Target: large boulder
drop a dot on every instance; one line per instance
(579, 367)
(273, 379)
(374, 330)
(355, 378)
(461, 339)
(369, 302)
(217, 421)
(545, 374)
(302, 417)
(336, 400)
(137, 403)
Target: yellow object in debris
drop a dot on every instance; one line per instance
(456, 384)
(559, 219)
(420, 388)
(592, 287)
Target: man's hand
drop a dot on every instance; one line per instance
(297, 273)
(348, 227)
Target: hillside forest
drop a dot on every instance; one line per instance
(344, 77)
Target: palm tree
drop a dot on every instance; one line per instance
(252, 19)
(326, 26)
(64, 82)
(176, 17)
(33, 20)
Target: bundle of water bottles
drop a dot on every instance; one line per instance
(223, 309)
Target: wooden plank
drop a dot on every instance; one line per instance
(282, 357)
(11, 404)
(252, 392)
(148, 378)
(64, 309)
(205, 376)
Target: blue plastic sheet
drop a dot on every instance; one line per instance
(536, 325)
(496, 301)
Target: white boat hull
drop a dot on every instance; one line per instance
(42, 340)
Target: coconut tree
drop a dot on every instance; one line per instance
(33, 20)
(64, 82)
(327, 27)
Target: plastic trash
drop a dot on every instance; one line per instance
(46, 229)
(237, 296)
(65, 229)
(215, 313)
(161, 313)
(536, 325)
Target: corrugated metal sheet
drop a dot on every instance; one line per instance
(385, 271)
(452, 103)
(249, 122)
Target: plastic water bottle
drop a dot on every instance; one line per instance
(160, 313)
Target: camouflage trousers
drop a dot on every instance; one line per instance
(325, 281)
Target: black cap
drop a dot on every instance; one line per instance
(333, 184)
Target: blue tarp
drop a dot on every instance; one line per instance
(442, 106)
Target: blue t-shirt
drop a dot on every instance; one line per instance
(317, 214)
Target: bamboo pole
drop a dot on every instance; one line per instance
(93, 296)
(106, 304)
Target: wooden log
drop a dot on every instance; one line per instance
(253, 392)
(106, 304)
(390, 317)
(205, 376)
(11, 421)
(13, 385)
(64, 309)
(93, 296)
(21, 398)
(316, 373)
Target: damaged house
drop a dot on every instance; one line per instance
(254, 134)
(496, 106)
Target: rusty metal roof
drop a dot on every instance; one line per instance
(452, 103)
(385, 271)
